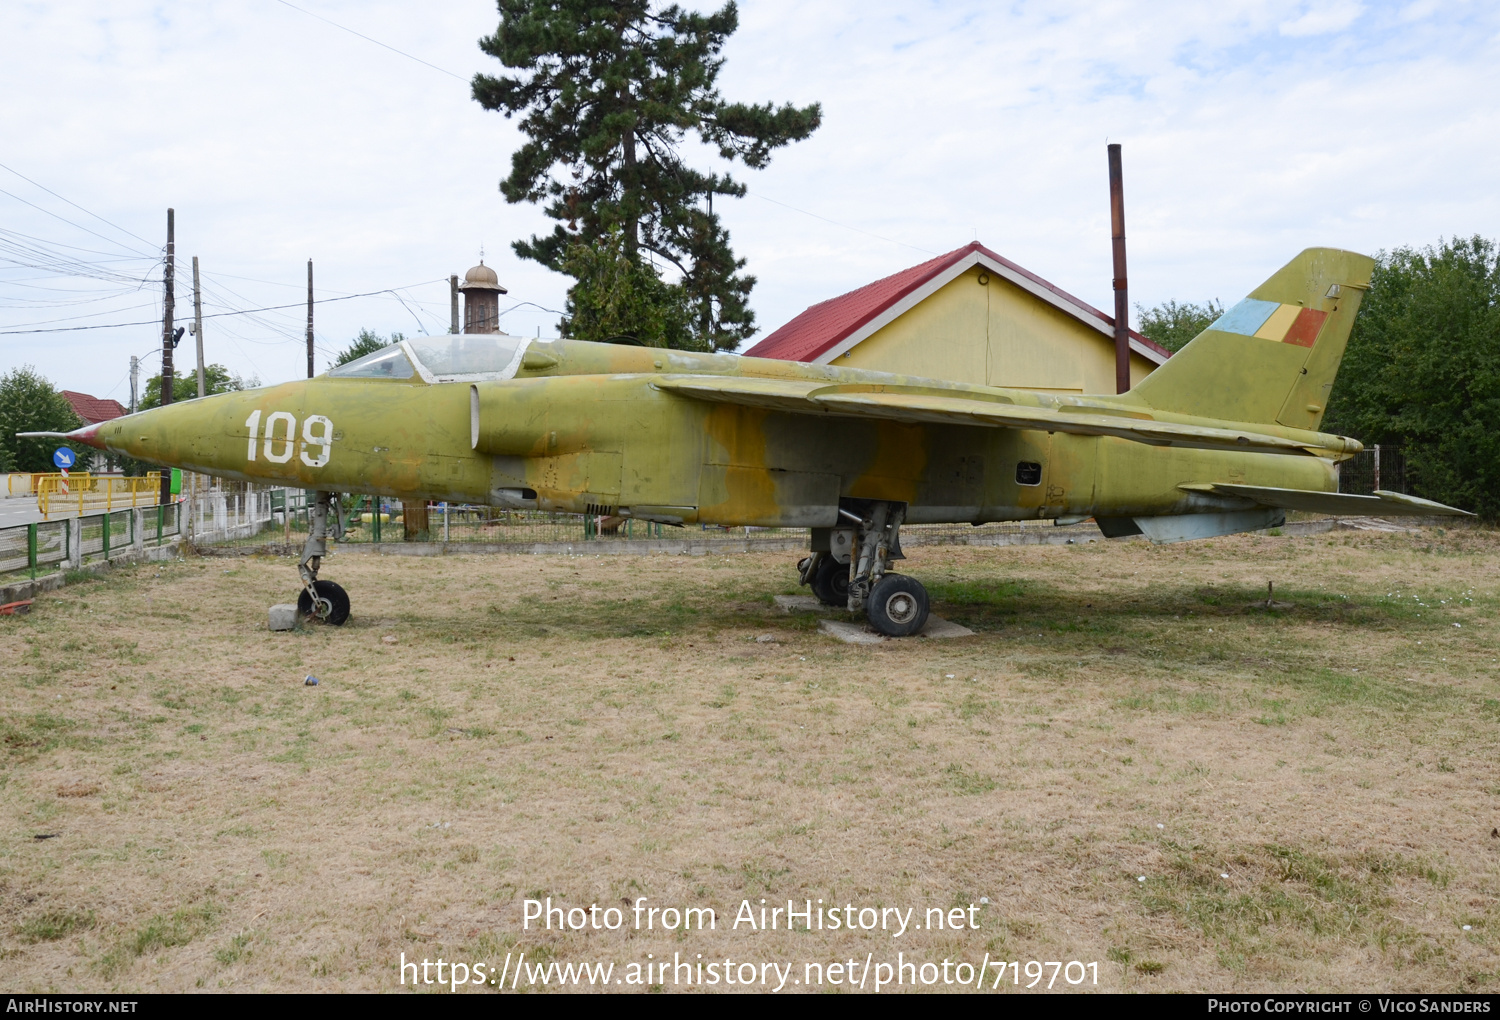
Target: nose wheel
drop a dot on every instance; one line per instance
(327, 602)
(323, 601)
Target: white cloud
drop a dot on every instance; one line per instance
(278, 138)
(1322, 18)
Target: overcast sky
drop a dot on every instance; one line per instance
(1250, 131)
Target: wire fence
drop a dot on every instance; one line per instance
(44, 547)
(1378, 467)
(240, 516)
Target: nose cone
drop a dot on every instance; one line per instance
(166, 435)
(87, 436)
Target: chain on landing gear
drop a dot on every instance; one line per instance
(850, 566)
(321, 600)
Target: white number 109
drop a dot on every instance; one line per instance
(317, 433)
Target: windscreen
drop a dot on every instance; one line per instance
(469, 354)
(387, 363)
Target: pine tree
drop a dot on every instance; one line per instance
(607, 91)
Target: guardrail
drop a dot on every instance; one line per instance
(20, 483)
(56, 493)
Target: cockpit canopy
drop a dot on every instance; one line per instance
(450, 357)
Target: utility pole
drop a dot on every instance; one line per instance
(309, 320)
(198, 327)
(135, 381)
(1122, 293)
(453, 303)
(168, 306)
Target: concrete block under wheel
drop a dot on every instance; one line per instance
(283, 616)
(801, 604)
(861, 634)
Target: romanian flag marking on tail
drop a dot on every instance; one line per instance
(1268, 320)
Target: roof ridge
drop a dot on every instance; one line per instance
(822, 326)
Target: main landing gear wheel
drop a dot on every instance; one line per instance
(897, 605)
(330, 606)
(830, 582)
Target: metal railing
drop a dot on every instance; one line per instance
(20, 483)
(79, 493)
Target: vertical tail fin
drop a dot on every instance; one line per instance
(1271, 358)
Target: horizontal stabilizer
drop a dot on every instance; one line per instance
(1380, 504)
(958, 406)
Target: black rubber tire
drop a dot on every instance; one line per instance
(334, 594)
(831, 583)
(897, 606)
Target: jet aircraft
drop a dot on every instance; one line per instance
(1222, 438)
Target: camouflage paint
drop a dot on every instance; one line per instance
(587, 427)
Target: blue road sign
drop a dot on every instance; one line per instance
(64, 457)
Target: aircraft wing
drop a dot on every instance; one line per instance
(1380, 504)
(799, 396)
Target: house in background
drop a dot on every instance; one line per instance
(93, 410)
(967, 316)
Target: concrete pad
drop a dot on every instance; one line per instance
(801, 604)
(937, 627)
(283, 616)
(851, 633)
(862, 634)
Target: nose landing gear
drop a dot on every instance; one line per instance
(853, 568)
(324, 601)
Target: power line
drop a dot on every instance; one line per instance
(80, 208)
(836, 223)
(55, 216)
(215, 315)
(377, 42)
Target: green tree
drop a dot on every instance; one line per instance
(1172, 325)
(216, 379)
(1423, 370)
(368, 342)
(618, 299)
(607, 91)
(28, 403)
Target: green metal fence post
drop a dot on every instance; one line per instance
(161, 512)
(375, 517)
(31, 548)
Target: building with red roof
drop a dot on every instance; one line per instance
(967, 316)
(93, 410)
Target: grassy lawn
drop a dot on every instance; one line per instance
(1310, 790)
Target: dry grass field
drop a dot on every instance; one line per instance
(1310, 791)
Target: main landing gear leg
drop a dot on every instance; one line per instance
(321, 600)
(868, 541)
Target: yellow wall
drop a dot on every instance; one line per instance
(994, 334)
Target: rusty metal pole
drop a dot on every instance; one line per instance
(309, 321)
(168, 306)
(1122, 292)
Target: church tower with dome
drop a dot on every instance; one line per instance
(481, 289)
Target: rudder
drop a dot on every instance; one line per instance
(1273, 357)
